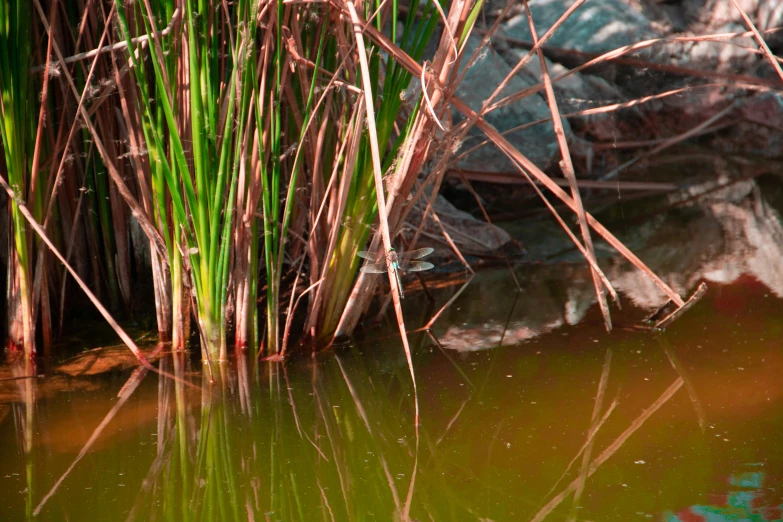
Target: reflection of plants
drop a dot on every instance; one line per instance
(175, 481)
(215, 491)
(294, 451)
(25, 414)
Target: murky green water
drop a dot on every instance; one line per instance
(688, 423)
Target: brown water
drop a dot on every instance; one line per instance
(689, 422)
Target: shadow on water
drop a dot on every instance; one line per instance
(558, 421)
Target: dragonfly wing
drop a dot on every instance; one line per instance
(418, 253)
(371, 256)
(375, 268)
(419, 266)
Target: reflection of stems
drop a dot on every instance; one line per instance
(29, 404)
(663, 340)
(179, 359)
(125, 393)
(590, 437)
(611, 450)
(292, 402)
(26, 387)
(452, 421)
(407, 508)
(363, 414)
(352, 391)
(217, 499)
(594, 419)
(451, 360)
(243, 384)
(164, 449)
(330, 436)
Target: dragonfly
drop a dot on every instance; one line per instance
(397, 262)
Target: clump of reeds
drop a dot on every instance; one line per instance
(260, 154)
(236, 135)
(256, 145)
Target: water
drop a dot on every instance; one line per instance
(690, 421)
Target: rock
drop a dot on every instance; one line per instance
(759, 132)
(472, 236)
(718, 17)
(727, 56)
(538, 143)
(574, 92)
(711, 14)
(596, 27)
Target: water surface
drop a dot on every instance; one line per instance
(513, 380)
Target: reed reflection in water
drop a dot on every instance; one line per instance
(575, 425)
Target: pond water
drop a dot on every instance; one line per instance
(529, 410)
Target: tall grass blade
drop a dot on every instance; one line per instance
(17, 110)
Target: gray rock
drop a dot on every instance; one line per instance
(596, 27)
(711, 14)
(472, 236)
(537, 143)
(574, 92)
(728, 56)
(719, 16)
(759, 132)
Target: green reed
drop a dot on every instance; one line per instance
(198, 183)
(390, 81)
(234, 164)
(275, 242)
(18, 139)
